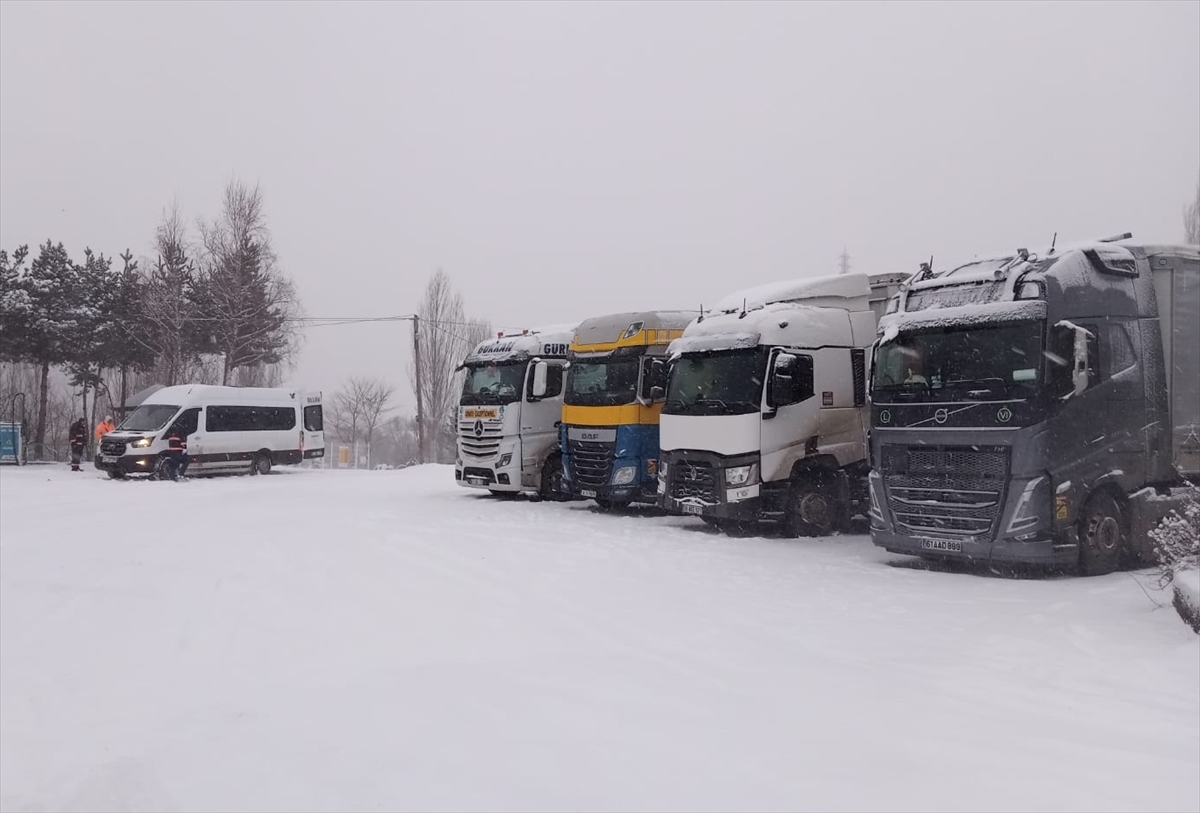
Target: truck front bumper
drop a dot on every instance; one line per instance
(1046, 551)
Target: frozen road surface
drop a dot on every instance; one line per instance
(389, 641)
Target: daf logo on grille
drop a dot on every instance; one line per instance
(478, 429)
(941, 415)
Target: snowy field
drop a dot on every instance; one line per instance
(388, 641)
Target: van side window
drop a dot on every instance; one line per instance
(250, 418)
(314, 418)
(187, 423)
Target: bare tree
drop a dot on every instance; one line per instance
(1191, 219)
(446, 336)
(248, 308)
(358, 409)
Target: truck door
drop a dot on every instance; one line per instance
(540, 418)
(790, 411)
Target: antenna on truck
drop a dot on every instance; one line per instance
(1053, 242)
(701, 317)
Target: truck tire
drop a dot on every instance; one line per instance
(551, 486)
(812, 507)
(1103, 535)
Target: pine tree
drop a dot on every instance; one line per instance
(48, 292)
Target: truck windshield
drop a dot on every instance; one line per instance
(493, 383)
(992, 363)
(727, 382)
(602, 383)
(148, 418)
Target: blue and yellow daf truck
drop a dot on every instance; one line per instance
(616, 375)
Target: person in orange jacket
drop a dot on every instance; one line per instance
(103, 428)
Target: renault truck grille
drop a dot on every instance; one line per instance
(945, 489)
(693, 480)
(591, 462)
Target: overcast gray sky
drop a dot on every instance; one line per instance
(564, 160)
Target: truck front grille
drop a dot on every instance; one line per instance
(591, 462)
(479, 439)
(693, 481)
(945, 489)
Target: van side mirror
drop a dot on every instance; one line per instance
(540, 371)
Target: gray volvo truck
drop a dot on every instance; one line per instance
(1038, 409)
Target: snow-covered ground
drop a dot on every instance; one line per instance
(388, 641)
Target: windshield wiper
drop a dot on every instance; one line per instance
(979, 386)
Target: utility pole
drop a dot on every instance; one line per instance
(845, 262)
(416, 320)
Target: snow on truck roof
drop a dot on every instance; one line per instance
(763, 313)
(837, 286)
(776, 323)
(550, 342)
(635, 328)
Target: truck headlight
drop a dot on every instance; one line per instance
(142, 443)
(505, 459)
(624, 476)
(1033, 507)
(741, 475)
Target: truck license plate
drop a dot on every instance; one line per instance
(586, 492)
(476, 481)
(952, 545)
(692, 508)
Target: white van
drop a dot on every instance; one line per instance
(228, 430)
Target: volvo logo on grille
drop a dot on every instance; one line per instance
(941, 415)
(478, 429)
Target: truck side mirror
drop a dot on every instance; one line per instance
(540, 370)
(791, 380)
(653, 379)
(1080, 373)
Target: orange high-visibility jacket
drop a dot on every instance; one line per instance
(103, 428)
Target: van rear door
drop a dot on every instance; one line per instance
(314, 428)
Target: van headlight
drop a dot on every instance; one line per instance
(142, 443)
(624, 476)
(741, 475)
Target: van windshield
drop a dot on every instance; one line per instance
(148, 418)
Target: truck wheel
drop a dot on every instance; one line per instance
(552, 487)
(813, 508)
(1103, 537)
